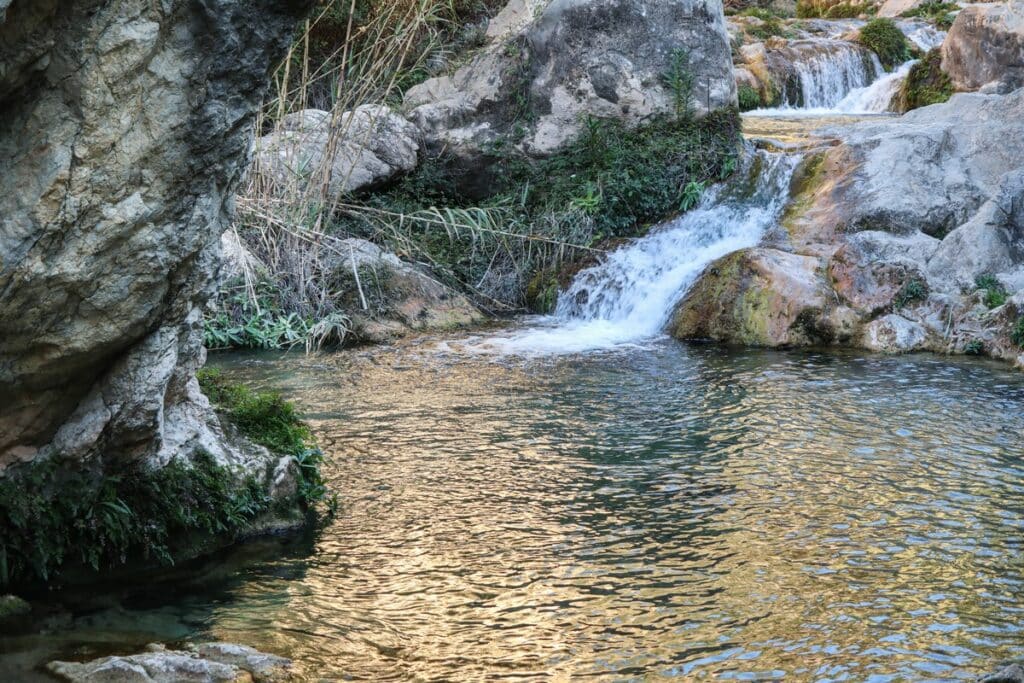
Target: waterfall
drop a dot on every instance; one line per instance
(877, 97)
(629, 296)
(830, 74)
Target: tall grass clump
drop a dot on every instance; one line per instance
(884, 38)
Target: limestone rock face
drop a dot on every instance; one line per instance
(985, 46)
(125, 132)
(894, 334)
(761, 297)
(385, 297)
(210, 662)
(545, 69)
(360, 150)
(895, 8)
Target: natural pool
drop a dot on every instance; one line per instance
(664, 510)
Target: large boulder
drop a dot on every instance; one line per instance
(355, 150)
(385, 297)
(546, 69)
(126, 130)
(761, 297)
(985, 47)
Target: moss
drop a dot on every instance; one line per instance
(61, 518)
(749, 98)
(925, 84)
(542, 292)
(885, 39)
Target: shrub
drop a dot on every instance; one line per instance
(831, 9)
(912, 290)
(749, 98)
(975, 347)
(994, 294)
(885, 39)
(1017, 332)
(940, 13)
(925, 84)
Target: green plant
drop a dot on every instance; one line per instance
(974, 347)
(940, 13)
(885, 39)
(925, 84)
(57, 515)
(269, 420)
(994, 293)
(1017, 332)
(679, 80)
(912, 290)
(831, 9)
(749, 98)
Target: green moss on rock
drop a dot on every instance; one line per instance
(885, 39)
(926, 84)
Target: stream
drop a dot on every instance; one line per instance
(579, 496)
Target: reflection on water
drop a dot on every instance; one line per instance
(677, 511)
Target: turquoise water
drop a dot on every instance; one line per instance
(664, 511)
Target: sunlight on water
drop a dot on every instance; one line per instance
(679, 512)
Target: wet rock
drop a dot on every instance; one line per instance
(385, 297)
(896, 8)
(12, 607)
(894, 334)
(985, 45)
(359, 150)
(544, 71)
(1014, 673)
(869, 269)
(761, 297)
(209, 663)
(125, 133)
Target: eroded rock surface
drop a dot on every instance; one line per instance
(358, 150)
(545, 69)
(985, 47)
(207, 662)
(886, 241)
(125, 130)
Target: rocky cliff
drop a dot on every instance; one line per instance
(125, 128)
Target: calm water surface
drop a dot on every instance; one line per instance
(662, 512)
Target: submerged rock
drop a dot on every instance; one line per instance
(985, 47)
(544, 71)
(1014, 673)
(208, 662)
(359, 150)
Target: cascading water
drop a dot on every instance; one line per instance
(630, 295)
(833, 70)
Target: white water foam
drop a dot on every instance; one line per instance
(629, 297)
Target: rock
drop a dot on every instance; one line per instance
(870, 268)
(533, 85)
(360, 150)
(986, 44)
(761, 297)
(929, 171)
(894, 334)
(11, 607)
(385, 297)
(209, 662)
(897, 8)
(125, 133)
(1013, 673)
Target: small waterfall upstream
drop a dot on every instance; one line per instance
(629, 297)
(833, 69)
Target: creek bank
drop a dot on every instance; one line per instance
(910, 236)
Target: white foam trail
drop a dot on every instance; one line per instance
(629, 296)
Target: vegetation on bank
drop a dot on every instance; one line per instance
(941, 14)
(535, 217)
(885, 39)
(926, 84)
(60, 519)
(832, 9)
